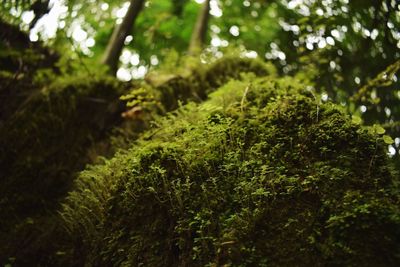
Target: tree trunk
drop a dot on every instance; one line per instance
(116, 42)
(200, 30)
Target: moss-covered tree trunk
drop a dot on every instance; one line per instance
(64, 125)
(261, 174)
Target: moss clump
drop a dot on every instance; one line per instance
(56, 124)
(204, 79)
(43, 144)
(259, 175)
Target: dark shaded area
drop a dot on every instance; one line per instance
(47, 133)
(19, 61)
(46, 142)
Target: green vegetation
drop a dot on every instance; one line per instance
(199, 133)
(262, 173)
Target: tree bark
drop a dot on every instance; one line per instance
(116, 42)
(200, 30)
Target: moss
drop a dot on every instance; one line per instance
(43, 144)
(56, 124)
(52, 125)
(261, 174)
(205, 79)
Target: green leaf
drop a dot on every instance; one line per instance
(379, 129)
(387, 139)
(356, 120)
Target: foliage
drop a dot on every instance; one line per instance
(260, 174)
(340, 46)
(245, 168)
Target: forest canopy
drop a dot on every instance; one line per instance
(199, 132)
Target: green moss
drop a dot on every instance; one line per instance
(205, 79)
(43, 144)
(51, 134)
(261, 174)
(56, 124)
